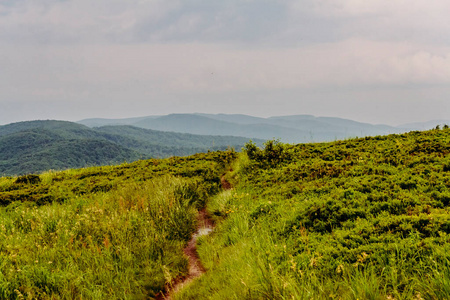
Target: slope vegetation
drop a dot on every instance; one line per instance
(364, 218)
(102, 232)
(358, 219)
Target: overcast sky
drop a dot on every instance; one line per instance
(383, 61)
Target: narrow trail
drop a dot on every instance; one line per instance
(204, 226)
(196, 269)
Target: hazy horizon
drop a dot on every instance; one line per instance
(445, 121)
(383, 62)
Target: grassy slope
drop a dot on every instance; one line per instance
(357, 219)
(102, 232)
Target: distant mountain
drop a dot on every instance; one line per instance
(163, 144)
(65, 129)
(38, 149)
(99, 122)
(291, 129)
(424, 125)
(35, 146)
(234, 118)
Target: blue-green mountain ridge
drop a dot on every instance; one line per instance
(288, 129)
(35, 146)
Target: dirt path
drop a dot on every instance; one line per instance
(225, 184)
(196, 269)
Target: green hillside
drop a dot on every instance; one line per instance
(38, 150)
(64, 129)
(363, 218)
(161, 144)
(36, 146)
(31, 147)
(113, 232)
(357, 219)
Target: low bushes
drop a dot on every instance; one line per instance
(357, 219)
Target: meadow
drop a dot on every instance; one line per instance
(114, 232)
(364, 218)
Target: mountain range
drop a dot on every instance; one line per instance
(36, 146)
(288, 129)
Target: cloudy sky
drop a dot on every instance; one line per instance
(384, 61)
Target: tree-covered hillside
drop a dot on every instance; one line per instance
(163, 144)
(36, 146)
(64, 129)
(38, 150)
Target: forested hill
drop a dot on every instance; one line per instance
(35, 146)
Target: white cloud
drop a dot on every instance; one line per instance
(270, 23)
(220, 68)
(383, 20)
(80, 21)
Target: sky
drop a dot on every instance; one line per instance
(384, 61)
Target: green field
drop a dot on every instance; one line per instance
(357, 219)
(102, 232)
(363, 218)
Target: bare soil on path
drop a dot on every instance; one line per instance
(204, 226)
(196, 269)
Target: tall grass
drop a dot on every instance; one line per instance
(112, 232)
(124, 244)
(357, 219)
